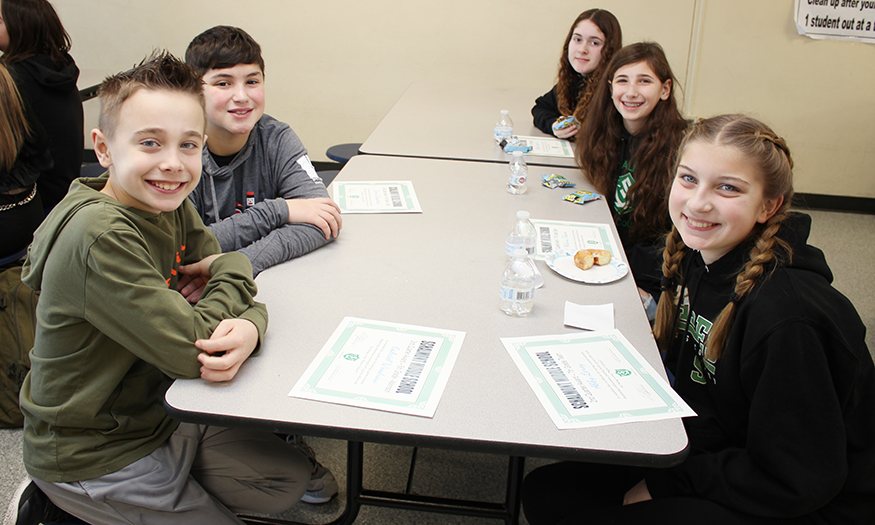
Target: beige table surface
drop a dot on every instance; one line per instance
(440, 268)
(451, 121)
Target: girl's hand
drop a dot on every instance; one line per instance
(637, 494)
(566, 133)
(230, 345)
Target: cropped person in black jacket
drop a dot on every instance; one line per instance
(23, 157)
(36, 51)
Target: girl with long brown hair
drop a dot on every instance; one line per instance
(591, 42)
(626, 148)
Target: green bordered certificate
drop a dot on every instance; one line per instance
(376, 197)
(593, 379)
(383, 366)
(546, 147)
(566, 238)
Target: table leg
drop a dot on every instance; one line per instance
(515, 470)
(357, 495)
(507, 511)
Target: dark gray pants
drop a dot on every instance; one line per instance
(201, 475)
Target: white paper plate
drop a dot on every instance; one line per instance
(564, 266)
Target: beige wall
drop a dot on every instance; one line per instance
(335, 68)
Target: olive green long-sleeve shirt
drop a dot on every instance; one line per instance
(113, 331)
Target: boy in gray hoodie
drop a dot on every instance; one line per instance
(259, 193)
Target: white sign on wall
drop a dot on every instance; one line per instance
(852, 20)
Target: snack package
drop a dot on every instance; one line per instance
(556, 181)
(515, 144)
(565, 122)
(522, 146)
(582, 197)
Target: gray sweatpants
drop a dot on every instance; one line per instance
(201, 475)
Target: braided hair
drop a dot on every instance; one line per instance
(771, 157)
(573, 96)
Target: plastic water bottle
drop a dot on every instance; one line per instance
(519, 172)
(522, 235)
(503, 127)
(518, 285)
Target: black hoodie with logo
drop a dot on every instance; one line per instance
(49, 91)
(786, 417)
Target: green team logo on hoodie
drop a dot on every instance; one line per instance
(697, 328)
(621, 197)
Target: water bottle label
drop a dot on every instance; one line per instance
(517, 294)
(517, 180)
(511, 245)
(502, 132)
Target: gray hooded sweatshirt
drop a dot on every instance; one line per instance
(243, 203)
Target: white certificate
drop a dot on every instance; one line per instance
(376, 197)
(384, 366)
(546, 147)
(593, 379)
(566, 238)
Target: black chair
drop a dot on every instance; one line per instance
(328, 176)
(343, 152)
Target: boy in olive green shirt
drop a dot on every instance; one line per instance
(113, 331)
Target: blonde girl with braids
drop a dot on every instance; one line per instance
(591, 42)
(770, 356)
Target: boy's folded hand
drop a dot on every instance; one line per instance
(193, 278)
(191, 287)
(230, 345)
(321, 212)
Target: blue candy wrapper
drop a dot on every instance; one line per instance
(565, 122)
(556, 181)
(582, 197)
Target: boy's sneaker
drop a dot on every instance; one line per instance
(30, 506)
(322, 486)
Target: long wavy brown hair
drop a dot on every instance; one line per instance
(572, 95)
(598, 143)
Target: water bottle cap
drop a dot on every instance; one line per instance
(517, 153)
(520, 253)
(504, 112)
(522, 214)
